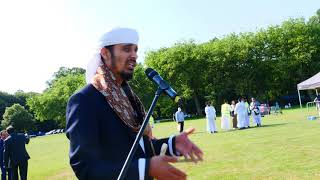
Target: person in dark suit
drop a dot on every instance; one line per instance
(15, 154)
(3, 136)
(5, 172)
(3, 169)
(103, 119)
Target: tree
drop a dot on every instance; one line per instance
(6, 100)
(23, 96)
(182, 65)
(18, 117)
(315, 19)
(51, 104)
(64, 71)
(142, 86)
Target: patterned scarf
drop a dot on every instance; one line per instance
(124, 102)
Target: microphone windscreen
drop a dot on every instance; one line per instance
(150, 73)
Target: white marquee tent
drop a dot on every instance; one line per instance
(311, 83)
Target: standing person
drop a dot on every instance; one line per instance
(317, 101)
(225, 115)
(179, 115)
(234, 117)
(3, 169)
(211, 116)
(104, 117)
(247, 118)
(254, 107)
(5, 172)
(15, 154)
(241, 112)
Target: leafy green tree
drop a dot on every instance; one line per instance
(181, 66)
(64, 71)
(19, 117)
(7, 100)
(142, 86)
(51, 104)
(23, 96)
(315, 19)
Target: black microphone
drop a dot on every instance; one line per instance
(157, 79)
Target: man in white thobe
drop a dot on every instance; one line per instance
(247, 119)
(255, 111)
(211, 116)
(241, 112)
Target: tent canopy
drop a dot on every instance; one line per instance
(311, 83)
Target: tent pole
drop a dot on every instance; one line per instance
(299, 98)
(316, 91)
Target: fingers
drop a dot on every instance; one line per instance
(198, 152)
(176, 173)
(192, 158)
(170, 159)
(193, 153)
(190, 131)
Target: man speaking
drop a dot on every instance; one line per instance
(104, 117)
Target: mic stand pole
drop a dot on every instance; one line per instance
(139, 135)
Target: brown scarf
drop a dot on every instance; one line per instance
(124, 102)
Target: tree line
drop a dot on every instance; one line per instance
(266, 64)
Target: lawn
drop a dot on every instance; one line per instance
(286, 147)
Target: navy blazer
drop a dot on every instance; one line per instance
(15, 149)
(99, 140)
(1, 152)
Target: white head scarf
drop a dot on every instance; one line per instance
(112, 37)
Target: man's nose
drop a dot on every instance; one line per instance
(134, 55)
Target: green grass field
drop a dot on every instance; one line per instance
(286, 147)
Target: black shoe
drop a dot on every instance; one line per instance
(215, 131)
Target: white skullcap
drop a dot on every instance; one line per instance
(112, 37)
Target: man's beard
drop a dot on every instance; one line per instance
(126, 76)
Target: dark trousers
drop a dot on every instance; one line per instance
(6, 172)
(3, 173)
(234, 121)
(9, 173)
(23, 170)
(181, 125)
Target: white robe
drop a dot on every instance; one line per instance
(256, 117)
(241, 112)
(210, 115)
(225, 122)
(247, 121)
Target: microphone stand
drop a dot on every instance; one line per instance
(139, 135)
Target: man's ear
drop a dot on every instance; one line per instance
(105, 53)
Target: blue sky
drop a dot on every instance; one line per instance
(39, 36)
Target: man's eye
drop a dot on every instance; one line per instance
(126, 49)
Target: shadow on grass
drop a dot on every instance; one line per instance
(272, 125)
(199, 132)
(252, 127)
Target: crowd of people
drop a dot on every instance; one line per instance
(238, 111)
(14, 157)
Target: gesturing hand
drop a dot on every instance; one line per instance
(187, 148)
(162, 170)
